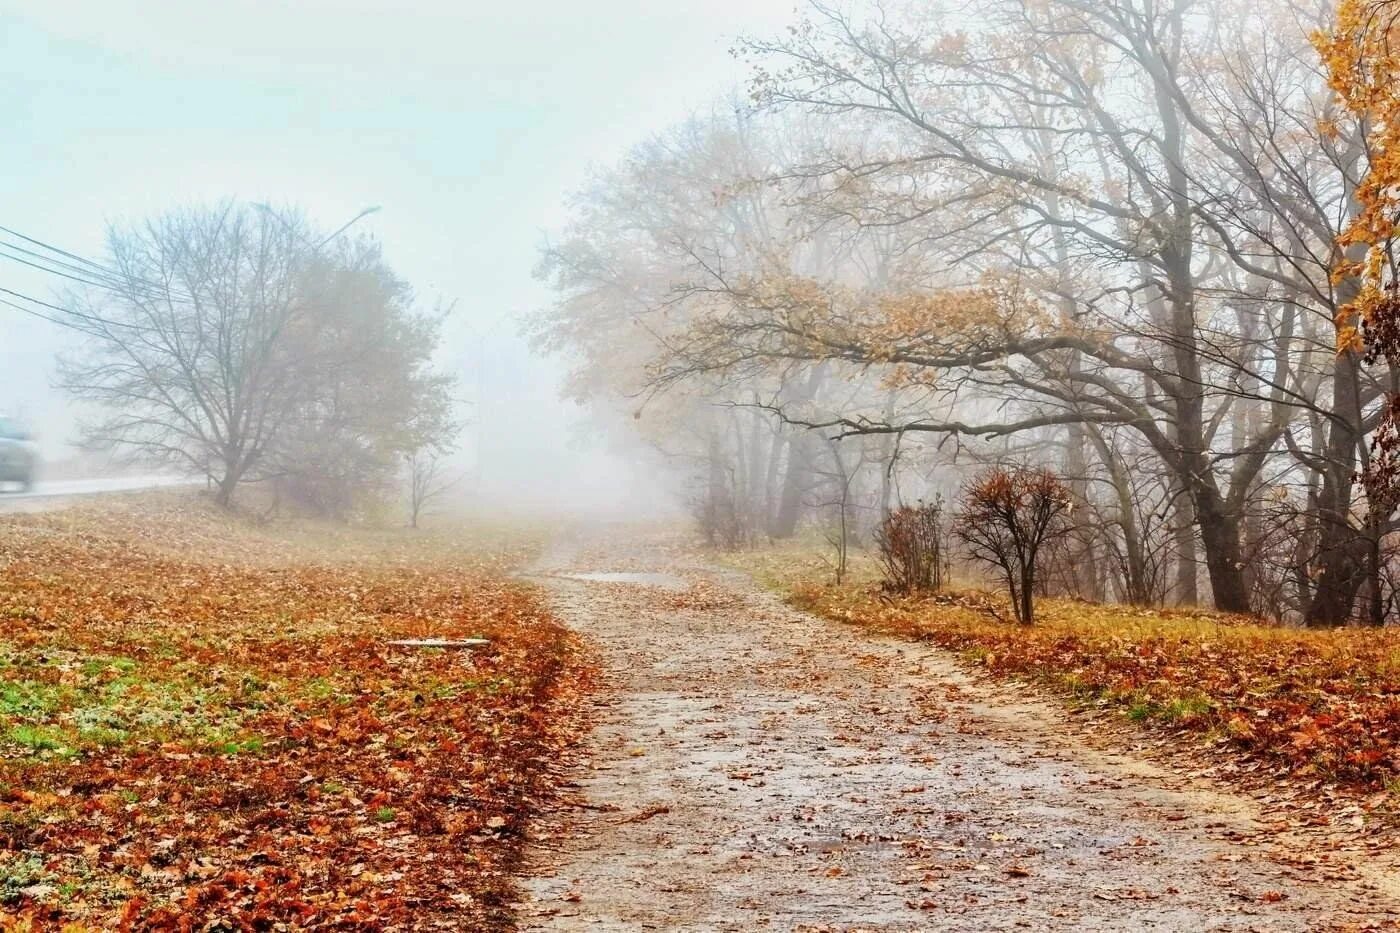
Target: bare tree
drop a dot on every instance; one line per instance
(428, 482)
(187, 352)
(1008, 517)
(233, 342)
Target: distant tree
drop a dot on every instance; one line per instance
(186, 352)
(368, 397)
(233, 342)
(841, 478)
(432, 438)
(1008, 516)
(428, 481)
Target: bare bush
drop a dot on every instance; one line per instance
(910, 544)
(428, 481)
(720, 520)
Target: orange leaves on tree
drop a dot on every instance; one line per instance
(918, 332)
(1362, 59)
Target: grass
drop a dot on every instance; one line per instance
(18, 874)
(53, 698)
(201, 721)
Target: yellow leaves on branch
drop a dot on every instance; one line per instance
(992, 312)
(997, 313)
(1363, 69)
(904, 328)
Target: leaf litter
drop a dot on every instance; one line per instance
(202, 722)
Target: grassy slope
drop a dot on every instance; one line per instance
(200, 718)
(1321, 705)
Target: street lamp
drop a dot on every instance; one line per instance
(267, 209)
(349, 223)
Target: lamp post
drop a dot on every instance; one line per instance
(266, 208)
(348, 224)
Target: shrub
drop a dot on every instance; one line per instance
(910, 543)
(1008, 516)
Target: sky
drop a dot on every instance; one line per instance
(467, 123)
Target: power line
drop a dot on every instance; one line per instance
(95, 275)
(60, 265)
(109, 278)
(54, 249)
(30, 311)
(104, 284)
(41, 316)
(122, 289)
(79, 315)
(75, 267)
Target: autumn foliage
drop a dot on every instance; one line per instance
(230, 737)
(1363, 63)
(1361, 53)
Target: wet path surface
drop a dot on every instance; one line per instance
(754, 768)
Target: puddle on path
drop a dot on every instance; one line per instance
(665, 581)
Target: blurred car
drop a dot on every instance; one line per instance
(18, 459)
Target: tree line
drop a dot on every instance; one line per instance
(1145, 243)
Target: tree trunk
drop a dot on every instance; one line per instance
(1191, 460)
(1376, 614)
(753, 493)
(794, 484)
(1220, 538)
(799, 466)
(771, 492)
(714, 489)
(1186, 588)
(1084, 562)
(1137, 587)
(1026, 610)
(1343, 551)
(223, 489)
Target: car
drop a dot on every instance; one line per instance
(17, 457)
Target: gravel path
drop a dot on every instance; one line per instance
(753, 768)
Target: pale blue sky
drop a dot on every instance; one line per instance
(467, 122)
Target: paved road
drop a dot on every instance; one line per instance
(47, 495)
(754, 768)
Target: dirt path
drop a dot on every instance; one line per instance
(757, 769)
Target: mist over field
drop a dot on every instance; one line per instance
(466, 123)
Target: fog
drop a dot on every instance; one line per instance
(466, 123)
(805, 268)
